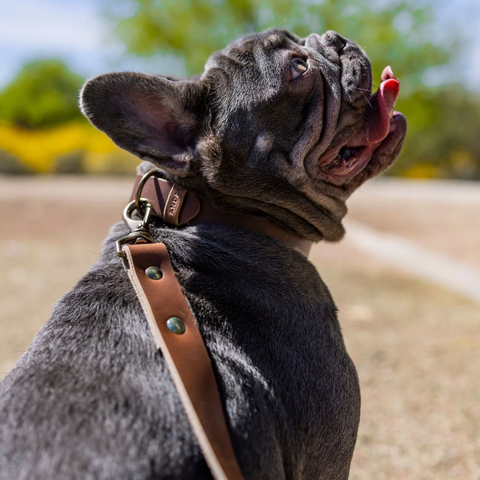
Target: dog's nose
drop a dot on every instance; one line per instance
(334, 40)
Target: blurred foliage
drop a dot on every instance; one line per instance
(393, 32)
(73, 147)
(44, 93)
(444, 137)
(12, 165)
(42, 130)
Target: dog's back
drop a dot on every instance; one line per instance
(92, 397)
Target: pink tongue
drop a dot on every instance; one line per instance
(377, 123)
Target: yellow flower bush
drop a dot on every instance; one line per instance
(423, 171)
(40, 149)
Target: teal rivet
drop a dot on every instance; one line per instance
(175, 325)
(154, 273)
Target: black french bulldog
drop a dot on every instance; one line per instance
(278, 127)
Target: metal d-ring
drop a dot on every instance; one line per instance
(138, 194)
(138, 227)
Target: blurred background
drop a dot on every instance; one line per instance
(48, 48)
(406, 278)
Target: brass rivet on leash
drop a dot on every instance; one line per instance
(154, 273)
(175, 325)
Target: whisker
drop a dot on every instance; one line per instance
(366, 98)
(363, 89)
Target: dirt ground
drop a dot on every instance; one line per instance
(416, 346)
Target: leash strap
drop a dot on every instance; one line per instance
(177, 336)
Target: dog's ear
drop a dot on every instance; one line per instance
(153, 117)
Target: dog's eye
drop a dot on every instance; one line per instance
(299, 67)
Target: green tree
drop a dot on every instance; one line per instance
(395, 32)
(44, 93)
(446, 134)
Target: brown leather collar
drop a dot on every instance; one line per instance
(178, 207)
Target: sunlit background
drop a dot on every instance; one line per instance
(406, 278)
(48, 48)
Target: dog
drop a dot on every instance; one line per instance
(277, 128)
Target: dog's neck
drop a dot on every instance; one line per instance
(178, 207)
(311, 216)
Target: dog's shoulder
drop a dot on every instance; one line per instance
(268, 322)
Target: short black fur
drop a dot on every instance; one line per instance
(92, 398)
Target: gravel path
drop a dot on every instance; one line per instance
(416, 345)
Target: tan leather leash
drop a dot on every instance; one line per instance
(177, 336)
(169, 315)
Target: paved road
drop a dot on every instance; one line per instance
(415, 259)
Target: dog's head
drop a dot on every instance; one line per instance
(277, 125)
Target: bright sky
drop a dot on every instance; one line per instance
(74, 31)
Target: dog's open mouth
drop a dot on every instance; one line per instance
(380, 121)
